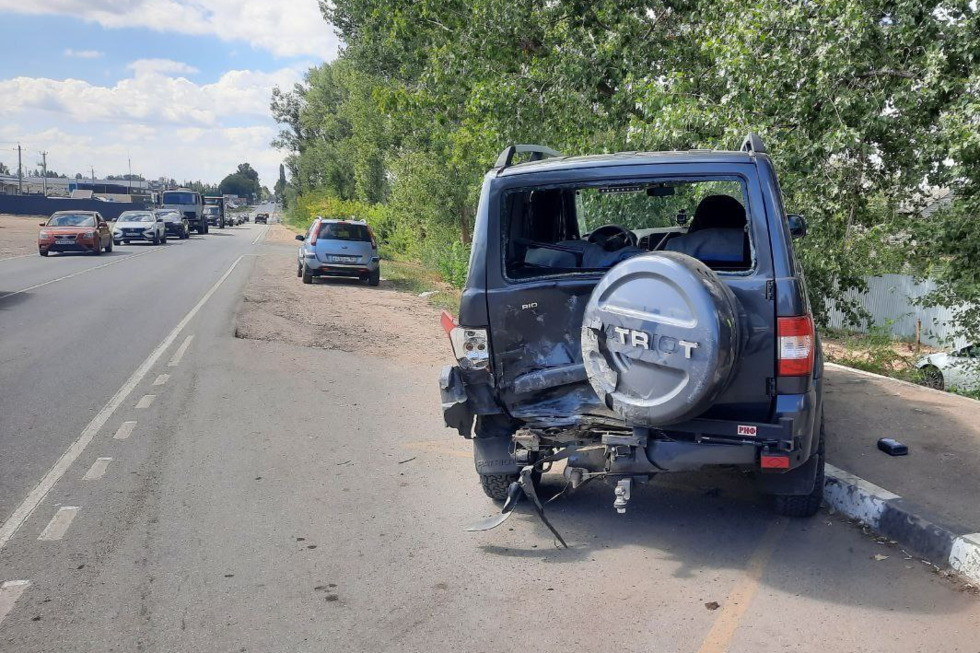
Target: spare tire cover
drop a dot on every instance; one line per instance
(660, 338)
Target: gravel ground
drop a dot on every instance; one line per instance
(341, 314)
(281, 235)
(18, 235)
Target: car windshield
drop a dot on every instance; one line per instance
(72, 220)
(166, 214)
(136, 217)
(571, 229)
(344, 231)
(179, 198)
(211, 210)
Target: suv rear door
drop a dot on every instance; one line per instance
(535, 324)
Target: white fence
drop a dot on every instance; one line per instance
(889, 298)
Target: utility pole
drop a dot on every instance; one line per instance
(93, 180)
(44, 172)
(20, 173)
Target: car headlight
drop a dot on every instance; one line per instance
(470, 346)
(45, 234)
(89, 234)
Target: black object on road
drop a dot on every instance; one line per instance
(893, 447)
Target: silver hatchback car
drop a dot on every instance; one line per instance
(339, 248)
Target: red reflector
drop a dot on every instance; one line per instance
(774, 462)
(796, 345)
(448, 322)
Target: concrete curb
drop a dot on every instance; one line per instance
(909, 384)
(914, 529)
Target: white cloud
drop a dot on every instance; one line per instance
(83, 54)
(161, 67)
(285, 29)
(172, 126)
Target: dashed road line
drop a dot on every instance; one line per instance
(125, 430)
(14, 258)
(30, 503)
(76, 274)
(179, 354)
(10, 591)
(97, 470)
(58, 526)
(146, 401)
(163, 378)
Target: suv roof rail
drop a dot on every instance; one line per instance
(537, 153)
(753, 144)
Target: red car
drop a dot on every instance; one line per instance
(75, 231)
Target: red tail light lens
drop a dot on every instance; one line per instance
(316, 232)
(374, 241)
(796, 345)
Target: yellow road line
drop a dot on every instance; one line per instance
(720, 636)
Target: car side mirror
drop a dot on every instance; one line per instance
(42, 224)
(797, 225)
(300, 237)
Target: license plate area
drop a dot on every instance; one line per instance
(64, 241)
(335, 258)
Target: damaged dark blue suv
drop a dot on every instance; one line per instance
(636, 314)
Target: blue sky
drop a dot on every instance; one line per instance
(181, 86)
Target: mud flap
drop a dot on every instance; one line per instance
(797, 481)
(492, 456)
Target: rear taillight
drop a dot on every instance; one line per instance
(374, 241)
(469, 345)
(796, 345)
(316, 232)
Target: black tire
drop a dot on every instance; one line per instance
(201, 229)
(932, 377)
(164, 239)
(108, 248)
(221, 224)
(305, 273)
(299, 270)
(805, 505)
(375, 278)
(495, 485)
(156, 239)
(42, 252)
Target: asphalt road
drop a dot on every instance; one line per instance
(279, 498)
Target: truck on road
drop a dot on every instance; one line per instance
(216, 218)
(190, 204)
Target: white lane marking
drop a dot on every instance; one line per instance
(12, 258)
(76, 274)
(125, 430)
(10, 591)
(163, 378)
(261, 235)
(58, 526)
(97, 470)
(28, 505)
(179, 354)
(146, 401)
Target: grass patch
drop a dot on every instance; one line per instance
(407, 276)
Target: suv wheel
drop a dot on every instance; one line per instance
(932, 377)
(305, 273)
(375, 278)
(805, 505)
(495, 485)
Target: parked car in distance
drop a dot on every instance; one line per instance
(339, 248)
(74, 231)
(139, 225)
(175, 223)
(262, 217)
(954, 370)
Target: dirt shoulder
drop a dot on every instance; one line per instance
(280, 234)
(18, 235)
(341, 314)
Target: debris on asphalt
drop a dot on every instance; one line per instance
(344, 463)
(407, 460)
(712, 605)
(428, 293)
(893, 447)
(878, 557)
